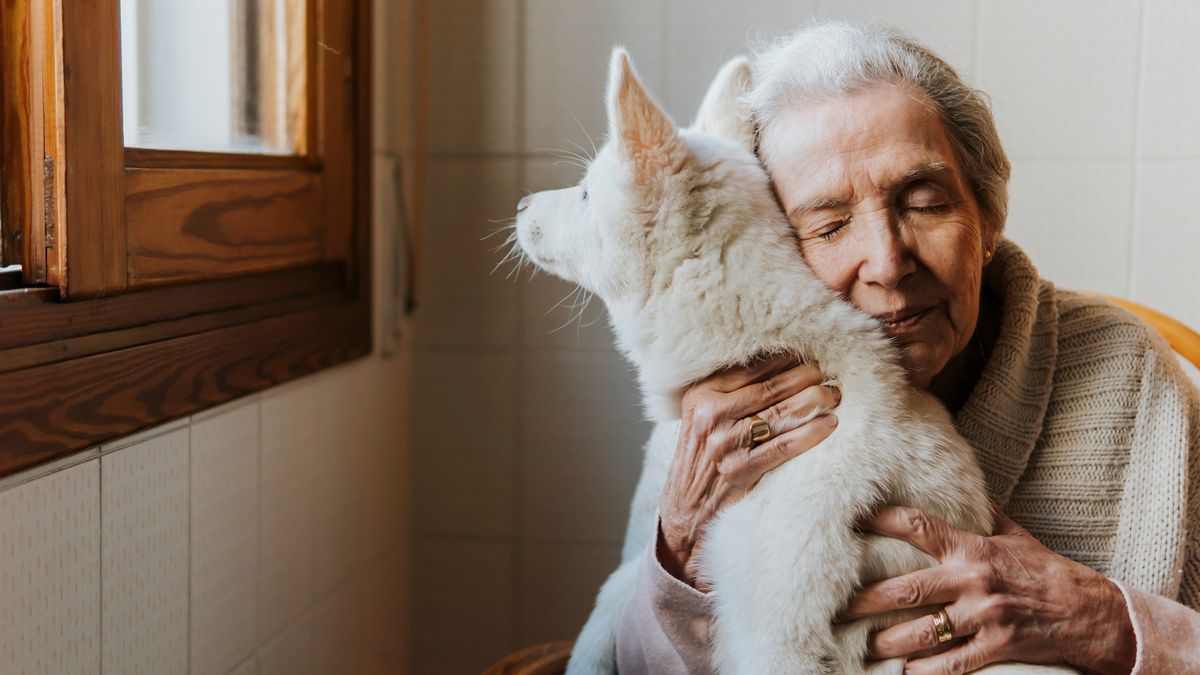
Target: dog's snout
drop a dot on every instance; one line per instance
(524, 203)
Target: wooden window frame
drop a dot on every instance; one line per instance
(108, 343)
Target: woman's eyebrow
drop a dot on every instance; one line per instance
(928, 170)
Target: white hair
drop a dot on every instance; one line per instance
(825, 59)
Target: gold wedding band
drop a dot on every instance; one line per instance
(941, 625)
(759, 429)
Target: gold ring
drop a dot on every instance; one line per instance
(941, 625)
(759, 429)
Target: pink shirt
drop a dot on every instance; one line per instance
(666, 629)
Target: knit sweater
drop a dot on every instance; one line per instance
(1088, 433)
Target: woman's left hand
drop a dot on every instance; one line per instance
(1008, 598)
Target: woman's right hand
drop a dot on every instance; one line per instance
(716, 462)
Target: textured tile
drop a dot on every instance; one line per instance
(461, 589)
(144, 493)
(144, 435)
(473, 84)
(1166, 237)
(50, 573)
(290, 652)
(461, 301)
(224, 541)
(558, 585)
(463, 443)
(945, 26)
(383, 593)
(567, 46)
(1169, 106)
(338, 638)
(700, 38)
(247, 667)
(1061, 75)
(1072, 216)
(581, 444)
(550, 308)
(337, 499)
(290, 421)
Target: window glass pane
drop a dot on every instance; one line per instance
(214, 75)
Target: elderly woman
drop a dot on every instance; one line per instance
(892, 174)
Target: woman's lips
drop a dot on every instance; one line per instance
(903, 320)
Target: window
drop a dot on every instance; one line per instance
(203, 236)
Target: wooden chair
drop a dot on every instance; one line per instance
(551, 658)
(544, 659)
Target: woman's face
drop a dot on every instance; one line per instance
(884, 216)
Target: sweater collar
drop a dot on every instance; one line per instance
(1002, 418)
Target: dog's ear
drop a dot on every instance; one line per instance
(643, 132)
(721, 113)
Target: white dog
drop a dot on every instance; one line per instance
(678, 232)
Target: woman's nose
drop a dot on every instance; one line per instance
(524, 203)
(888, 259)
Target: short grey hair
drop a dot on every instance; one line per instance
(825, 59)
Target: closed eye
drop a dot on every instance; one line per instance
(833, 229)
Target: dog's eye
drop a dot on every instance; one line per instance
(585, 194)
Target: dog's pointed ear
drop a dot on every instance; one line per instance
(643, 132)
(721, 113)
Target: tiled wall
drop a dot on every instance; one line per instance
(270, 535)
(527, 433)
(264, 536)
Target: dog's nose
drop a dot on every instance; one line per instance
(524, 203)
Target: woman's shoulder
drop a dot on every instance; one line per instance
(1104, 341)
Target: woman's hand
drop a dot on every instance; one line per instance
(716, 462)
(1008, 598)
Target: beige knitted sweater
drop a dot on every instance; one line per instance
(1088, 433)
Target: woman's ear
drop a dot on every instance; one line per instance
(643, 132)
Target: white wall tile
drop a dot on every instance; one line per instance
(224, 539)
(382, 595)
(1061, 75)
(336, 637)
(339, 532)
(703, 36)
(473, 84)
(567, 45)
(581, 444)
(550, 313)
(144, 492)
(463, 443)
(50, 573)
(462, 605)
(558, 585)
(461, 302)
(1166, 239)
(291, 651)
(247, 667)
(291, 420)
(1169, 110)
(1072, 216)
(945, 26)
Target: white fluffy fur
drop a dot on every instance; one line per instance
(679, 233)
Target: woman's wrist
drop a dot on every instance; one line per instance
(1112, 645)
(673, 561)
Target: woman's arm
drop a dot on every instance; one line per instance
(1168, 634)
(665, 628)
